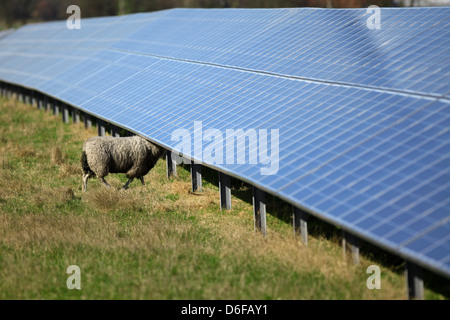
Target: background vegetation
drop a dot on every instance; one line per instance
(156, 241)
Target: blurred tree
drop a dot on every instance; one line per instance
(15, 11)
(45, 10)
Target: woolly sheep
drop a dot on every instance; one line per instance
(134, 156)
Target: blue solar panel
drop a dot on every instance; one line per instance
(362, 115)
(314, 44)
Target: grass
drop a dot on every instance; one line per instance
(156, 241)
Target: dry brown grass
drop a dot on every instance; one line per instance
(17, 150)
(98, 230)
(26, 152)
(110, 199)
(68, 170)
(11, 184)
(57, 156)
(21, 231)
(104, 232)
(47, 195)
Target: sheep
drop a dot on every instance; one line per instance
(134, 156)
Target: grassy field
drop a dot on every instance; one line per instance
(156, 241)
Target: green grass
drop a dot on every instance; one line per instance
(156, 241)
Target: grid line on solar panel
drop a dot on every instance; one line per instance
(442, 239)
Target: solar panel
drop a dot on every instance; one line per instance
(362, 115)
(311, 43)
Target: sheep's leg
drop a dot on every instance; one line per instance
(104, 181)
(125, 186)
(86, 177)
(142, 180)
(85, 180)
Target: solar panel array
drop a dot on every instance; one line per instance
(363, 115)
